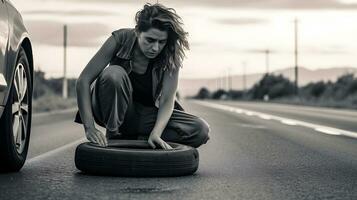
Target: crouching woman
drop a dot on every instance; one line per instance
(129, 86)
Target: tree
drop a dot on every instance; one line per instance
(219, 94)
(272, 85)
(203, 94)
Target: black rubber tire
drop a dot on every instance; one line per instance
(135, 158)
(10, 159)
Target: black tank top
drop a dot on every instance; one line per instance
(142, 86)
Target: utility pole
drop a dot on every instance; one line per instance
(296, 56)
(224, 79)
(229, 79)
(267, 52)
(244, 76)
(64, 85)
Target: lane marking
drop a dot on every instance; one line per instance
(327, 131)
(288, 122)
(253, 126)
(249, 113)
(317, 127)
(267, 117)
(55, 151)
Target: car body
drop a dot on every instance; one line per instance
(16, 81)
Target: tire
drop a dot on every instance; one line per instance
(16, 118)
(131, 158)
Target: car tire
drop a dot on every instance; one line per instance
(135, 158)
(15, 122)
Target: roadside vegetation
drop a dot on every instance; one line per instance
(47, 94)
(275, 88)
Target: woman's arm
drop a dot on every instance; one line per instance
(167, 101)
(88, 75)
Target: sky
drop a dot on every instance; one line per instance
(224, 35)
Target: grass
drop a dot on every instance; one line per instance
(52, 102)
(348, 103)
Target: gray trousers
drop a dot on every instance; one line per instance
(114, 109)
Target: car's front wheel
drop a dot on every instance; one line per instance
(15, 123)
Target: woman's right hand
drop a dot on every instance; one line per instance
(96, 136)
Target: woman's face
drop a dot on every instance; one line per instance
(152, 41)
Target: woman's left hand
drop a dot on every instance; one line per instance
(155, 139)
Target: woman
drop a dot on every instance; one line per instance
(135, 94)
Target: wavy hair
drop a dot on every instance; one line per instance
(165, 19)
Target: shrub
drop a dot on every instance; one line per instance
(236, 94)
(53, 86)
(219, 94)
(203, 94)
(343, 87)
(274, 86)
(314, 89)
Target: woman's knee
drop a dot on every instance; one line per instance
(202, 131)
(114, 75)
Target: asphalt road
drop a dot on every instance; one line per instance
(256, 151)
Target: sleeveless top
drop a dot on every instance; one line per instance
(126, 39)
(142, 87)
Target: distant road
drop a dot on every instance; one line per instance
(256, 151)
(335, 118)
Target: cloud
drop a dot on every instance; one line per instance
(71, 12)
(231, 48)
(79, 34)
(271, 4)
(258, 51)
(330, 50)
(252, 4)
(240, 21)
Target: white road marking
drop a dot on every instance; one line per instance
(238, 111)
(265, 117)
(288, 122)
(321, 128)
(327, 131)
(249, 113)
(253, 126)
(55, 151)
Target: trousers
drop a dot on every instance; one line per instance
(114, 109)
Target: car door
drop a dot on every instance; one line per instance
(4, 32)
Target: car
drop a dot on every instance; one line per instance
(16, 88)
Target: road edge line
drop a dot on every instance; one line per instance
(54, 151)
(316, 127)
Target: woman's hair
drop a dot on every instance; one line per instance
(165, 19)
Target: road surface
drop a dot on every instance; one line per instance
(256, 151)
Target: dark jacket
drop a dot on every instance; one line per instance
(126, 39)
